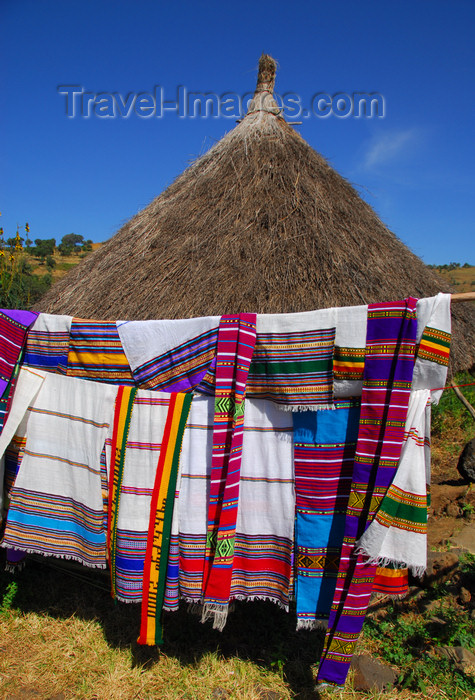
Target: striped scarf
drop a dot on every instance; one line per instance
(389, 365)
(161, 512)
(236, 341)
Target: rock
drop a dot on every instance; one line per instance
(371, 674)
(465, 539)
(220, 694)
(472, 614)
(270, 695)
(452, 510)
(465, 596)
(466, 463)
(463, 658)
(440, 566)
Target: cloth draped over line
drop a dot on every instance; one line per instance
(389, 366)
(300, 362)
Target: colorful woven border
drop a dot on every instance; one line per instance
(434, 346)
(161, 511)
(95, 352)
(293, 369)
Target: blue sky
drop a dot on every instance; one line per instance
(415, 166)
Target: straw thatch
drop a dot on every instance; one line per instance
(262, 223)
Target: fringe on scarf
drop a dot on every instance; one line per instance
(416, 570)
(28, 550)
(310, 625)
(306, 407)
(218, 613)
(15, 567)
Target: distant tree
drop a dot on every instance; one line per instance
(50, 263)
(71, 243)
(44, 247)
(466, 265)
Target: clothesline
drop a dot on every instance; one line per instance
(453, 386)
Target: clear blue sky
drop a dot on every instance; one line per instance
(415, 166)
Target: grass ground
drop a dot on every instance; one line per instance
(463, 278)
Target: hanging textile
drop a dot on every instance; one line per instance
(56, 502)
(95, 352)
(47, 342)
(236, 341)
(392, 582)
(122, 415)
(324, 451)
(14, 325)
(144, 420)
(398, 534)
(161, 510)
(294, 369)
(170, 355)
(12, 438)
(389, 365)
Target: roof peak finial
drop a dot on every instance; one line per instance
(263, 99)
(266, 74)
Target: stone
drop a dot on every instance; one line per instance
(452, 510)
(461, 657)
(465, 596)
(371, 674)
(466, 463)
(441, 566)
(465, 539)
(220, 694)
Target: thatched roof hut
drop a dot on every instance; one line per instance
(261, 223)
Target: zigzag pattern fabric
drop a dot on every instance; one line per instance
(389, 366)
(95, 352)
(236, 341)
(324, 451)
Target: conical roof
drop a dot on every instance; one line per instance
(261, 223)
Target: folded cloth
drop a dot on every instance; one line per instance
(47, 342)
(236, 341)
(389, 366)
(398, 534)
(95, 352)
(170, 355)
(56, 503)
(324, 451)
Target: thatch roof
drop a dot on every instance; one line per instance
(261, 223)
